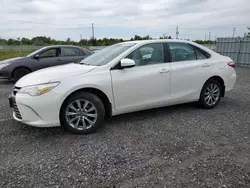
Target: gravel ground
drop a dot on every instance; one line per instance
(178, 146)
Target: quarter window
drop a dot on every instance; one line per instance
(148, 54)
(201, 54)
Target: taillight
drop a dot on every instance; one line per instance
(232, 64)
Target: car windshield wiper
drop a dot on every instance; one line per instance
(84, 63)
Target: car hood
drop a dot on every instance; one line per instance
(53, 73)
(11, 59)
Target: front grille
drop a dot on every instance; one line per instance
(16, 89)
(16, 111)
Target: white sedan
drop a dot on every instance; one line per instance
(122, 78)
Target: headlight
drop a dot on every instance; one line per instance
(36, 90)
(2, 65)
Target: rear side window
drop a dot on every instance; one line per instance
(186, 52)
(71, 52)
(182, 52)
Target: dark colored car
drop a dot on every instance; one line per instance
(49, 56)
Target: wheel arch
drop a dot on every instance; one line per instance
(104, 98)
(24, 67)
(221, 81)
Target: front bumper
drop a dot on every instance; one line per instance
(5, 74)
(38, 111)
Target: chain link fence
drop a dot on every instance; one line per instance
(33, 48)
(238, 49)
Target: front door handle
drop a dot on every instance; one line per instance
(205, 65)
(164, 71)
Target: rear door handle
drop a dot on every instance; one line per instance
(205, 65)
(164, 71)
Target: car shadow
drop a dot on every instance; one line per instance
(41, 132)
(6, 82)
(147, 114)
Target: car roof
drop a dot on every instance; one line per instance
(157, 40)
(72, 46)
(56, 46)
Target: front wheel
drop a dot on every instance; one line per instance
(19, 73)
(82, 113)
(210, 94)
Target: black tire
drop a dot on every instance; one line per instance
(202, 102)
(94, 100)
(19, 73)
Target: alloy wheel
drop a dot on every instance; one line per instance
(212, 94)
(81, 114)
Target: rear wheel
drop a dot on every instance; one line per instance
(82, 113)
(210, 94)
(19, 73)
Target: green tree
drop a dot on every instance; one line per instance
(25, 41)
(205, 41)
(93, 41)
(3, 41)
(68, 40)
(137, 37)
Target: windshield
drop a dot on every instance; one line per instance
(107, 54)
(35, 52)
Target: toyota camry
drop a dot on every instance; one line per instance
(122, 78)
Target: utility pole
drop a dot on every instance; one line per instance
(234, 31)
(80, 39)
(209, 38)
(177, 32)
(205, 37)
(93, 32)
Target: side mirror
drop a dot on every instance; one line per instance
(37, 56)
(126, 63)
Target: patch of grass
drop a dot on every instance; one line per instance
(11, 54)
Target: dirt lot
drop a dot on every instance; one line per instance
(179, 146)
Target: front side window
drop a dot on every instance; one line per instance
(148, 54)
(182, 52)
(49, 53)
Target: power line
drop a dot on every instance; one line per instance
(23, 21)
(42, 23)
(105, 26)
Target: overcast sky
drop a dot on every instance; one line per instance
(60, 19)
